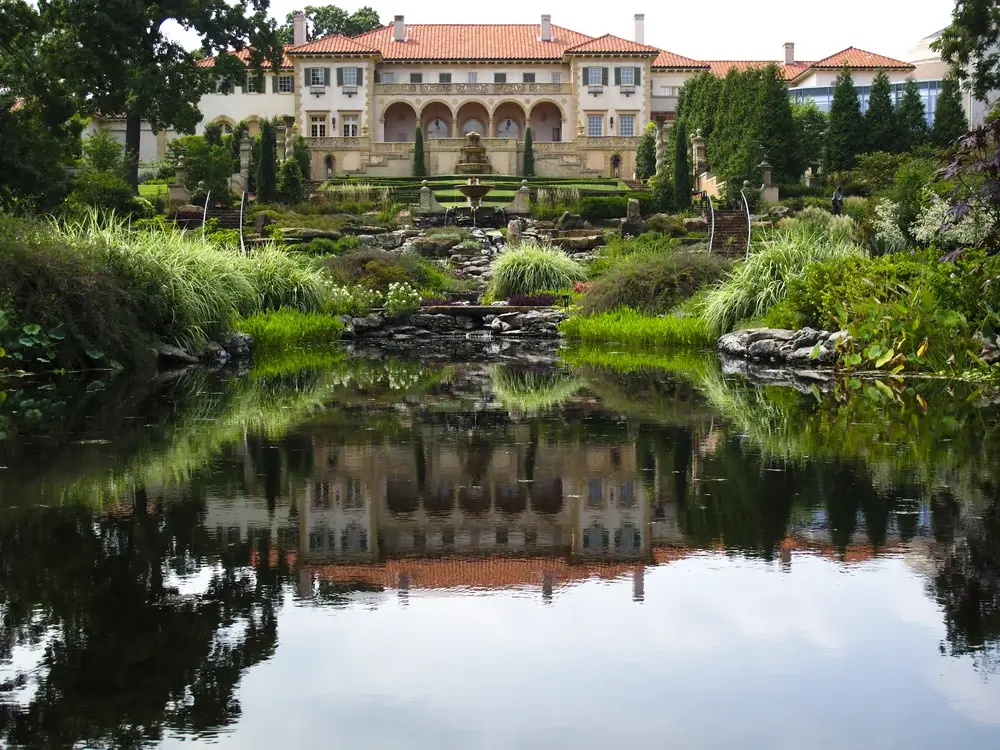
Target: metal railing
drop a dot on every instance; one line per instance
(746, 206)
(711, 212)
(204, 214)
(243, 201)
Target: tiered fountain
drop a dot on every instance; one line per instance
(473, 159)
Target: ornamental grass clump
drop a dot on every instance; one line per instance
(529, 269)
(279, 330)
(632, 328)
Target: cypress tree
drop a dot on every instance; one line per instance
(290, 187)
(912, 117)
(949, 115)
(419, 168)
(810, 134)
(682, 169)
(529, 154)
(645, 154)
(880, 120)
(267, 167)
(735, 150)
(776, 127)
(845, 137)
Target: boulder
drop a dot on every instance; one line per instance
(632, 225)
(213, 353)
(695, 224)
(389, 241)
(237, 345)
(168, 354)
(318, 199)
(188, 215)
(305, 235)
(570, 221)
(261, 221)
(779, 212)
(514, 232)
(371, 322)
(435, 246)
(578, 244)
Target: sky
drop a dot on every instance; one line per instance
(721, 29)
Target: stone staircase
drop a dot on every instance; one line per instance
(730, 234)
(636, 184)
(226, 218)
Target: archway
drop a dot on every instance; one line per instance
(401, 496)
(329, 166)
(508, 121)
(475, 499)
(546, 122)
(439, 499)
(547, 496)
(400, 120)
(472, 117)
(512, 498)
(616, 165)
(436, 120)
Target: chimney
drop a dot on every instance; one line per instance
(640, 28)
(398, 29)
(789, 53)
(546, 28)
(299, 29)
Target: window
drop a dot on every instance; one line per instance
(473, 77)
(251, 87)
(444, 78)
(317, 126)
(317, 77)
(286, 84)
(626, 495)
(557, 78)
(350, 76)
(556, 135)
(416, 77)
(628, 76)
(595, 125)
(502, 536)
(529, 77)
(387, 77)
(321, 496)
(499, 78)
(354, 499)
(595, 76)
(626, 125)
(350, 126)
(595, 493)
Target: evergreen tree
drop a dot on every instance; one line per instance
(735, 149)
(645, 154)
(419, 168)
(267, 167)
(682, 170)
(300, 149)
(881, 122)
(776, 129)
(810, 134)
(912, 117)
(949, 115)
(529, 154)
(290, 183)
(845, 137)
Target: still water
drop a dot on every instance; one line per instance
(346, 553)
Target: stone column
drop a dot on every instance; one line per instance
(289, 139)
(245, 144)
(698, 156)
(661, 149)
(279, 142)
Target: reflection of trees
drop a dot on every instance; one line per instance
(126, 657)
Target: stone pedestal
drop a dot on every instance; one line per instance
(521, 205)
(699, 156)
(632, 225)
(177, 194)
(661, 150)
(428, 203)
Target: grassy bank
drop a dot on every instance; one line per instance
(280, 330)
(631, 328)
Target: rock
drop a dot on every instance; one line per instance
(348, 323)
(213, 353)
(578, 244)
(764, 349)
(367, 240)
(838, 339)
(632, 225)
(305, 235)
(389, 241)
(169, 354)
(261, 222)
(570, 221)
(514, 232)
(775, 334)
(696, 224)
(318, 199)
(371, 322)
(435, 247)
(779, 212)
(188, 215)
(237, 345)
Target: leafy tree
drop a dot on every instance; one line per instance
(662, 191)
(969, 45)
(529, 154)
(912, 117)
(810, 133)
(645, 154)
(735, 148)
(290, 182)
(949, 114)
(682, 170)
(203, 162)
(102, 153)
(881, 121)
(419, 168)
(117, 57)
(845, 137)
(302, 155)
(327, 20)
(267, 165)
(776, 129)
(35, 155)
(698, 102)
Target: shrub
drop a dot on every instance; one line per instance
(601, 209)
(275, 330)
(378, 269)
(401, 299)
(632, 328)
(531, 268)
(653, 282)
(107, 192)
(290, 188)
(326, 246)
(617, 249)
(671, 226)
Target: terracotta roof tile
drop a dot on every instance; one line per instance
(472, 42)
(612, 44)
(244, 55)
(670, 60)
(721, 68)
(853, 57)
(333, 45)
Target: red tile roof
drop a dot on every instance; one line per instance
(612, 44)
(670, 60)
(243, 55)
(472, 42)
(336, 44)
(853, 57)
(722, 67)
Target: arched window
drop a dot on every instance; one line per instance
(508, 128)
(473, 126)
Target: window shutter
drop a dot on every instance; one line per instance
(292, 77)
(618, 76)
(274, 83)
(604, 76)
(340, 76)
(586, 76)
(638, 76)
(361, 77)
(326, 76)
(307, 79)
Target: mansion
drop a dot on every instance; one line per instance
(358, 101)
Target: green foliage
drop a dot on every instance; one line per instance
(531, 390)
(697, 105)
(757, 284)
(776, 129)
(735, 147)
(653, 282)
(102, 153)
(632, 328)
(34, 156)
(329, 20)
(278, 330)
(529, 155)
(670, 226)
(811, 124)
(378, 269)
(401, 299)
(107, 192)
(324, 246)
(645, 154)
(26, 347)
(881, 123)
(969, 45)
(602, 209)
(950, 121)
(303, 156)
(528, 269)
(203, 163)
(419, 167)
(267, 177)
(682, 170)
(912, 117)
(845, 137)
(290, 188)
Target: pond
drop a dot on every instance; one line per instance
(349, 552)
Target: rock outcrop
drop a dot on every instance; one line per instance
(806, 347)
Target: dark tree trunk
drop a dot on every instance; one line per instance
(133, 133)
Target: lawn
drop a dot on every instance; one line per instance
(149, 192)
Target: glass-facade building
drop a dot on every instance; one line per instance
(823, 96)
